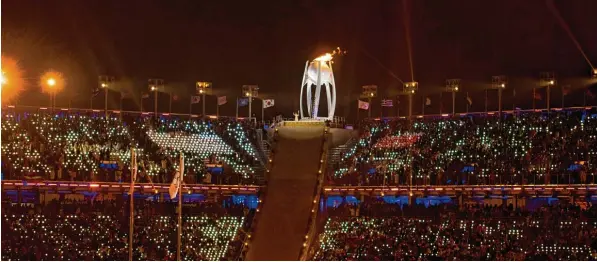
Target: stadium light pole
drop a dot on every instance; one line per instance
(369, 92)
(453, 86)
(105, 82)
(547, 80)
(250, 91)
(51, 82)
(410, 88)
(499, 83)
(155, 85)
(203, 88)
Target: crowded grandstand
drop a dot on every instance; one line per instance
(65, 178)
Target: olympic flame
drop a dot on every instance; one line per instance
(324, 58)
(328, 57)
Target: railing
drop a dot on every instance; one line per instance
(122, 187)
(312, 222)
(429, 189)
(260, 141)
(262, 195)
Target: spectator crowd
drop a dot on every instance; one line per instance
(92, 147)
(559, 147)
(98, 230)
(382, 231)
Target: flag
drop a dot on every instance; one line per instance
(537, 96)
(268, 103)
(590, 94)
(363, 105)
(95, 92)
(398, 100)
(387, 103)
(427, 101)
(175, 97)
(173, 190)
(221, 100)
(469, 99)
(195, 99)
(125, 95)
(146, 95)
(565, 90)
(243, 101)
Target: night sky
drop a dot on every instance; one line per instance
(231, 43)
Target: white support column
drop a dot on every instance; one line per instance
(317, 92)
(302, 87)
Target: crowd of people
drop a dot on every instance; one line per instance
(558, 147)
(99, 230)
(380, 231)
(92, 147)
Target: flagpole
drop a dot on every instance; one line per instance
(358, 110)
(236, 108)
(190, 107)
(513, 98)
(485, 100)
(467, 102)
(534, 97)
(180, 168)
(203, 114)
(369, 113)
(170, 103)
(218, 110)
(398, 106)
(563, 97)
(250, 105)
(441, 103)
(262, 112)
(121, 98)
(131, 191)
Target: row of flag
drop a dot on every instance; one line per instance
(390, 103)
(384, 102)
(197, 99)
(222, 100)
(245, 102)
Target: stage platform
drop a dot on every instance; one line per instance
(314, 123)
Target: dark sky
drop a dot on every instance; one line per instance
(232, 43)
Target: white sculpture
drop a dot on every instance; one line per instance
(296, 117)
(318, 72)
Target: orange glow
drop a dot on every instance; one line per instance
(12, 80)
(324, 58)
(52, 82)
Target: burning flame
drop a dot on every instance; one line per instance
(324, 58)
(328, 57)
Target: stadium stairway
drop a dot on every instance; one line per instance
(282, 223)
